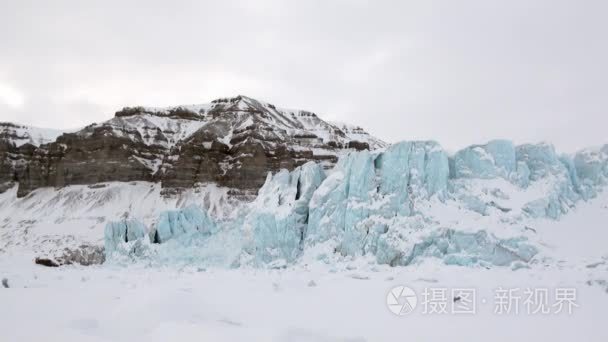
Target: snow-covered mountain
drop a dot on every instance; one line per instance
(233, 142)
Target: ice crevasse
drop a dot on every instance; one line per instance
(379, 204)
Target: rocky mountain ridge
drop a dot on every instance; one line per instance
(233, 142)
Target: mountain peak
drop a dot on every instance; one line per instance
(234, 99)
(243, 113)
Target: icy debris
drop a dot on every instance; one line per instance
(223, 248)
(467, 249)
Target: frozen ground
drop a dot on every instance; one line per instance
(308, 302)
(143, 304)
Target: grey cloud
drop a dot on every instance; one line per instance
(459, 72)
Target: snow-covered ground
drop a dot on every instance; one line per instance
(143, 304)
(312, 301)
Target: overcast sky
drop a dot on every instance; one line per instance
(459, 72)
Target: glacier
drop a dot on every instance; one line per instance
(398, 206)
(117, 233)
(280, 213)
(174, 223)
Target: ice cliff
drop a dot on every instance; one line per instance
(396, 206)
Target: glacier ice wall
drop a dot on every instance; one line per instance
(497, 158)
(180, 227)
(188, 220)
(279, 215)
(398, 206)
(366, 190)
(117, 233)
(494, 159)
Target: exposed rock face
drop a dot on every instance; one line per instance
(233, 142)
(18, 145)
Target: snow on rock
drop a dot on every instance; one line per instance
(151, 127)
(21, 134)
(357, 133)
